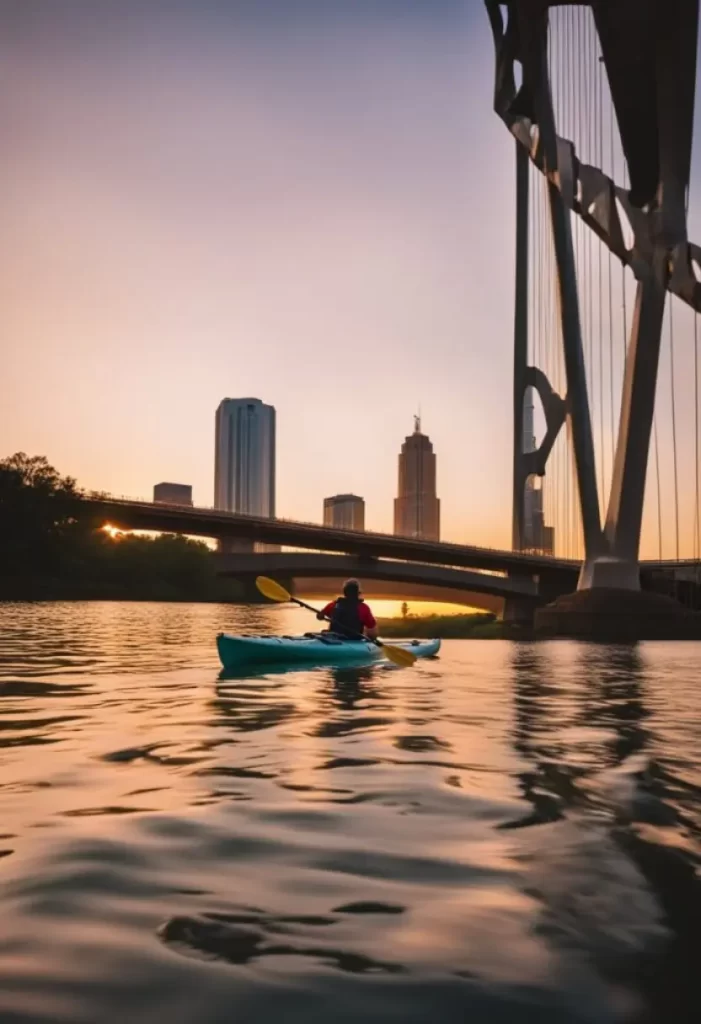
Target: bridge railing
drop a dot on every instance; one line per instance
(103, 496)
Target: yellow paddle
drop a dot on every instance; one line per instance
(275, 592)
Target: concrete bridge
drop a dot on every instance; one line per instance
(220, 525)
(414, 579)
(487, 578)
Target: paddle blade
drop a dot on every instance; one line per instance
(399, 655)
(272, 590)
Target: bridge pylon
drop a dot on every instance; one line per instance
(657, 148)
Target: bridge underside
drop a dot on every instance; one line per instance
(383, 578)
(325, 588)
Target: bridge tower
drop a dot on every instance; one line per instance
(650, 61)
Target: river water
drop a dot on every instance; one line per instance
(510, 832)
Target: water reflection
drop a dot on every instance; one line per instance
(574, 719)
(613, 685)
(245, 709)
(548, 782)
(43, 639)
(247, 937)
(497, 833)
(594, 764)
(348, 683)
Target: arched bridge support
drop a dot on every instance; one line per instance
(293, 565)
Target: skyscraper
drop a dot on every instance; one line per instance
(529, 444)
(244, 457)
(536, 535)
(345, 512)
(416, 508)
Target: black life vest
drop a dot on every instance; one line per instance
(345, 617)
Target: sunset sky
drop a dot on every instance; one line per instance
(306, 201)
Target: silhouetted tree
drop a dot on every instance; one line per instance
(50, 541)
(38, 510)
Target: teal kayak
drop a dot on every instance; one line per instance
(249, 649)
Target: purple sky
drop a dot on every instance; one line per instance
(309, 202)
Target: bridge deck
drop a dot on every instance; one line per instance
(228, 525)
(221, 525)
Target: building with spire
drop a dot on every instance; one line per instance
(416, 507)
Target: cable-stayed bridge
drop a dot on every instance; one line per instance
(599, 99)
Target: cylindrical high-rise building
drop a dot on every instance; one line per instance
(416, 508)
(244, 457)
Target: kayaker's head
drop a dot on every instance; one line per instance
(351, 589)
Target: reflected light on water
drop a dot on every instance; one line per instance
(511, 831)
(393, 609)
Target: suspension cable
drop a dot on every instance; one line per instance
(674, 425)
(599, 163)
(659, 489)
(612, 165)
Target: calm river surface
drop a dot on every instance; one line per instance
(511, 832)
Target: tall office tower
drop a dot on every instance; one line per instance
(244, 461)
(532, 498)
(536, 535)
(529, 444)
(345, 512)
(416, 508)
(244, 457)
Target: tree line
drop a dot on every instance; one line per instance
(51, 545)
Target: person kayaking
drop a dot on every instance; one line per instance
(349, 614)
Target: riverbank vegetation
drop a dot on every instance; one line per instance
(473, 625)
(52, 548)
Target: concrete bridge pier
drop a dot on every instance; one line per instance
(518, 611)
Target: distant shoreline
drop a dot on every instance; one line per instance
(471, 626)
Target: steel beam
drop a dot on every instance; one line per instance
(625, 510)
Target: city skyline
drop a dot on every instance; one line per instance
(245, 473)
(210, 198)
(271, 197)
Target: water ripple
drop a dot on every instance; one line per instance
(511, 833)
